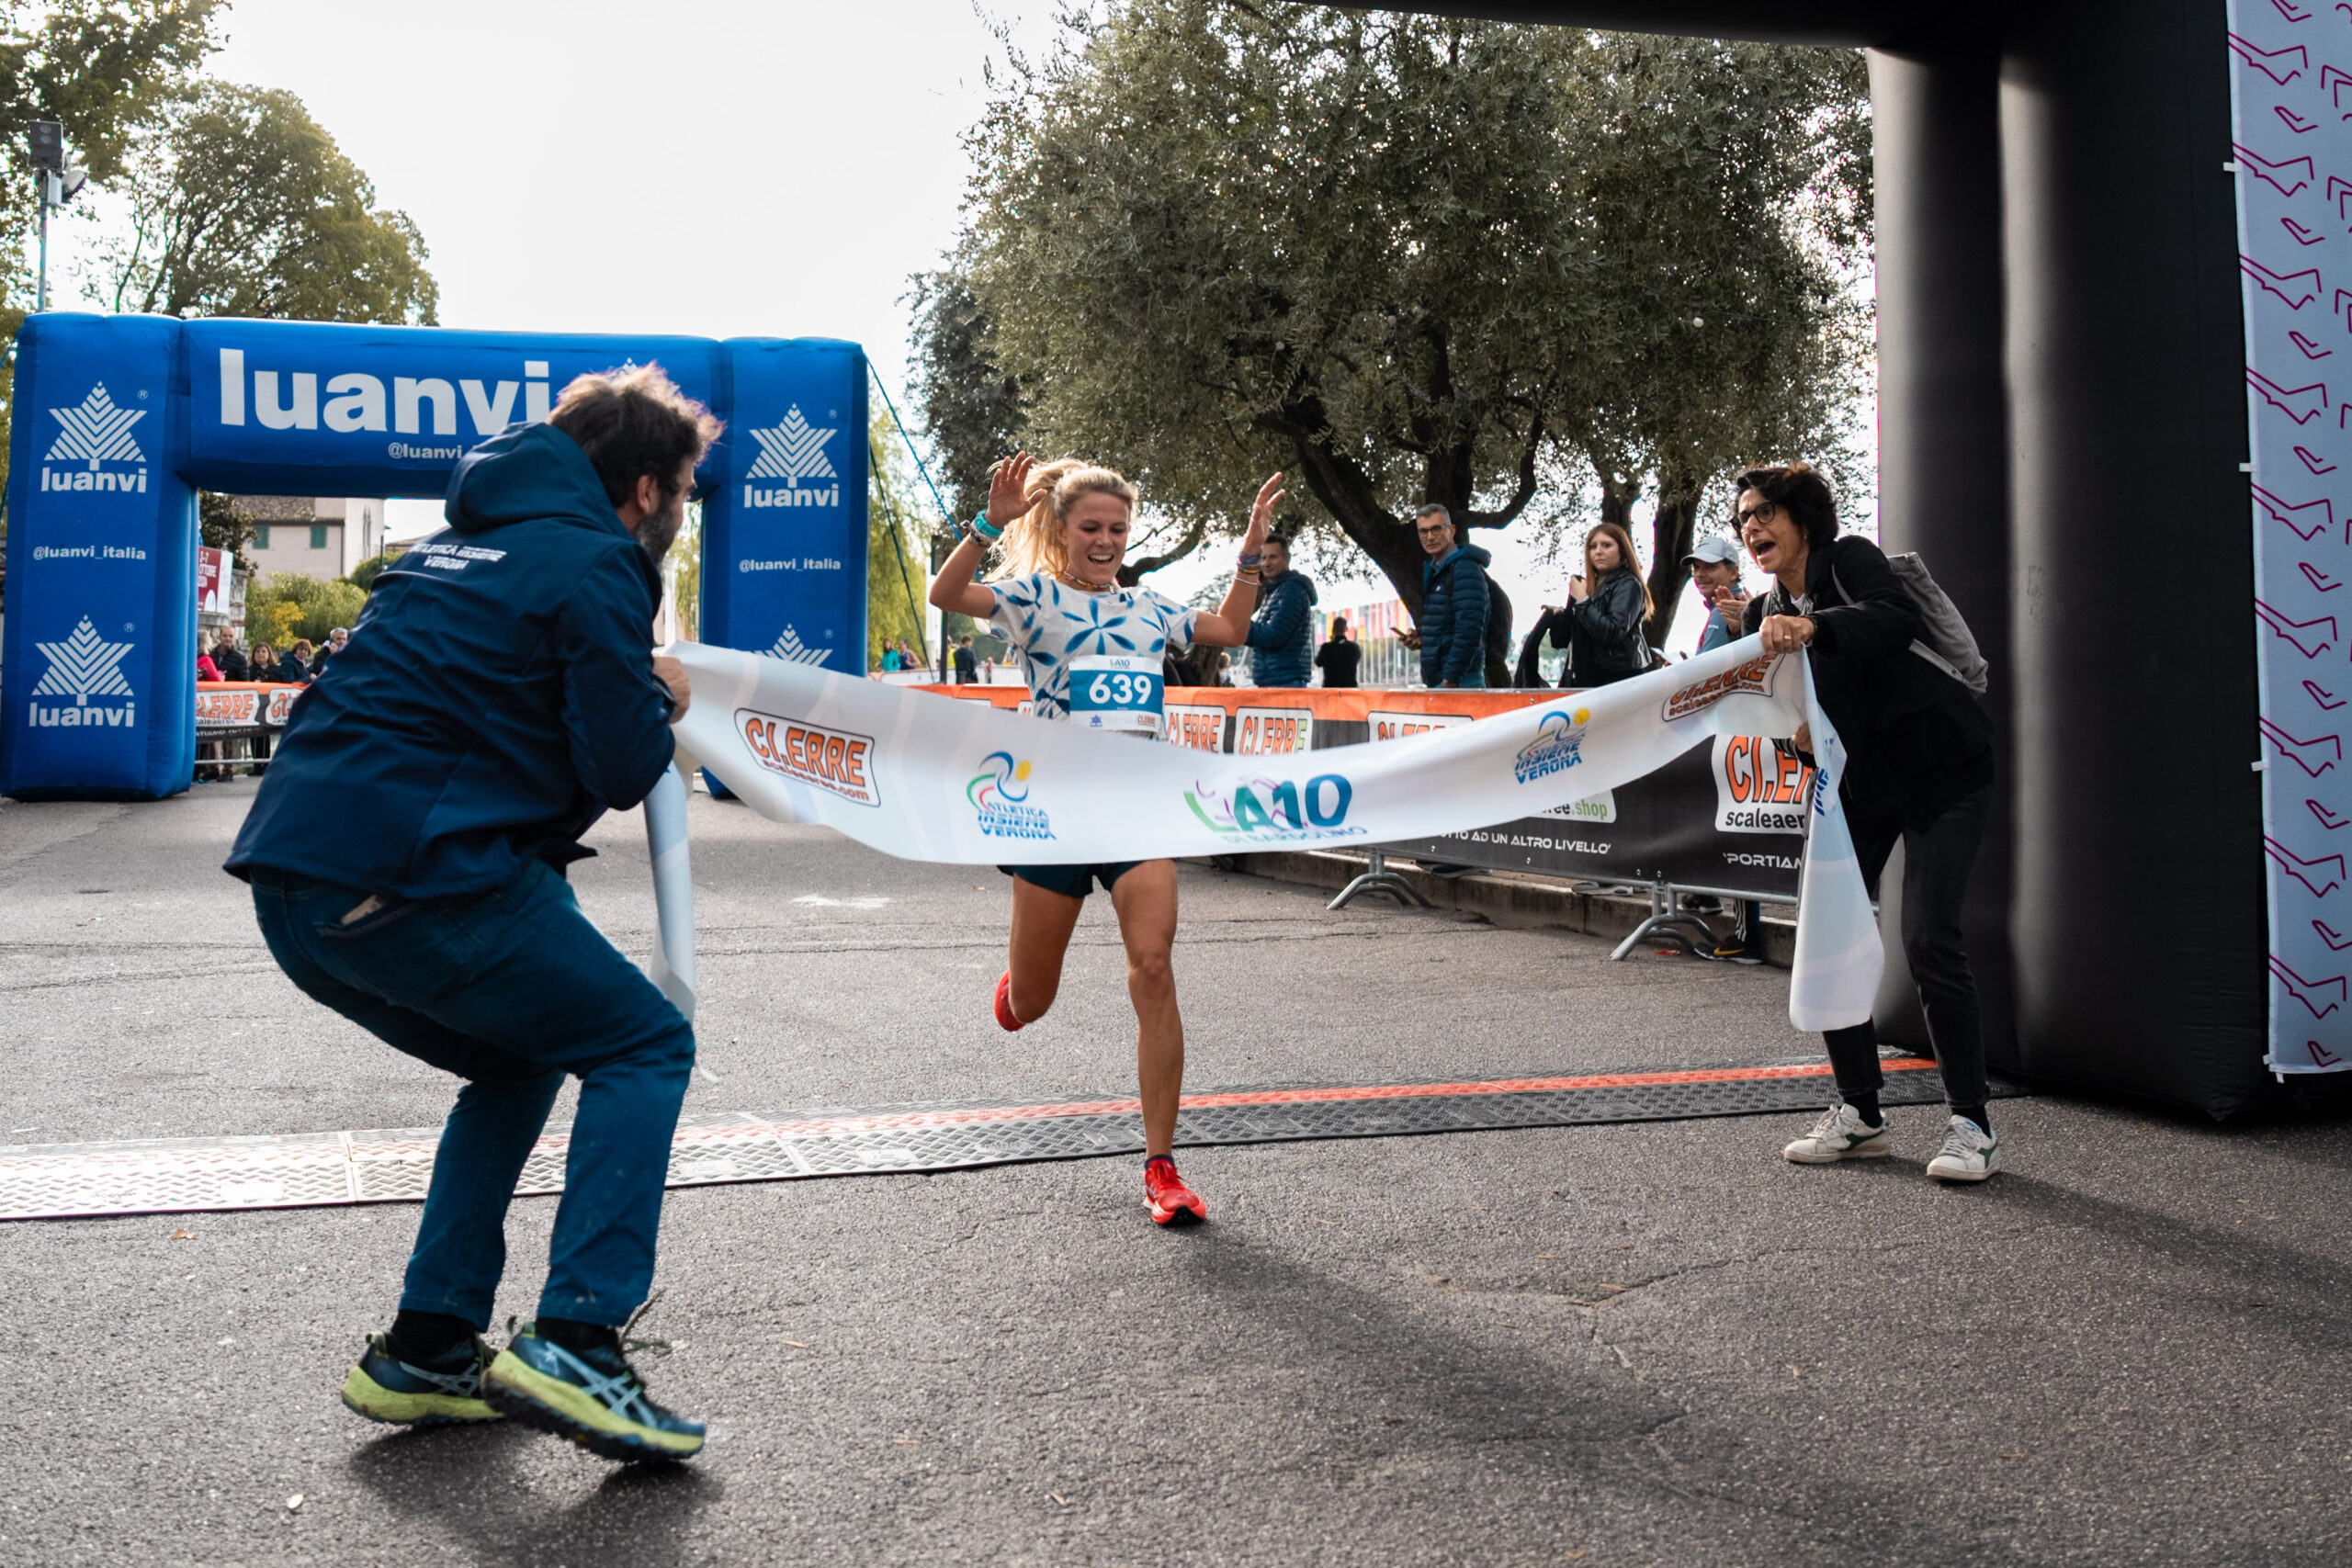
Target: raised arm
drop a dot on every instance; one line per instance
(1229, 628)
(953, 589)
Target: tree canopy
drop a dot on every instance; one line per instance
(101, 68)
(240, 204)
(1407, 259)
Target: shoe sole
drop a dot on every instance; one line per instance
(1984, 1175)
(371, 1400)
(522, 1392)
(1867, 1151)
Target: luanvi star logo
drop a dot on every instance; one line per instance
(84, 666)
(97, 432)
(793, 453)
(792, 651)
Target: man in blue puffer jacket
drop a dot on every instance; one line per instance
(406, 850)
(1453, 632)
(1282, 629)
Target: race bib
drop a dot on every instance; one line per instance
(1117, 691)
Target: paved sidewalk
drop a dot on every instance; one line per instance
(1651, 1344)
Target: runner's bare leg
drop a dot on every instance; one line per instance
(1146, 901)
(1042, 921)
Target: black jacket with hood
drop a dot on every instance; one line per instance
(496, 697)
(1916, 741)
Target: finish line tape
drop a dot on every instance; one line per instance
(301, 1170)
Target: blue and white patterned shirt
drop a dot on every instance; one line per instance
(1052, 623)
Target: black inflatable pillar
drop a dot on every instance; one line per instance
(1943, 434)
(2138, 921)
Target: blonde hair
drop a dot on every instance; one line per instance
(1033, 541)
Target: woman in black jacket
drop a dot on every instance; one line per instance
(1601, 629)
(1919, 768)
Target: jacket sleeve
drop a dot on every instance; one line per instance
(1877, 617)
(1277, 627)
(1465, 623)
(615, 712)
(1612, 618)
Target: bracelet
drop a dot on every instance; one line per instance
(981, 527)
(1249, 559)
(1248, 574)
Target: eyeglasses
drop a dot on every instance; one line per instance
(1762, 511)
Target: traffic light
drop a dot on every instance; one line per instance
(46, 141)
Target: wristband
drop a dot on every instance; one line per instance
(1249, 559)
(982, 526)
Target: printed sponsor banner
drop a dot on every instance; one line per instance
(237, 705)
(1391, 725)
(2292, 160)
(227, 707)
(1273, 731)
(964, 784)
(1758, 788)
(1200, 726)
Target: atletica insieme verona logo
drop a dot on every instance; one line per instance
(793, 453)
(1000, 794)
(84, 666)
(96, 432)
(1557, 747)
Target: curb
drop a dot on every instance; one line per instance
(1506, 898)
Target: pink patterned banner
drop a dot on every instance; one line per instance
(2291, 116)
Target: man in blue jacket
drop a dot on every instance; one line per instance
(1282, 629)
(1453, 632)
(406, 852)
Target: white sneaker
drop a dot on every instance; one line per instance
(1969, 1153)
(1841, 1134)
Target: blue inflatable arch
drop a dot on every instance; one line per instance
(120, 420)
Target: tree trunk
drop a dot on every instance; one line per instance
(1672, 532)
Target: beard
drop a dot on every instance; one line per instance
(659, 531)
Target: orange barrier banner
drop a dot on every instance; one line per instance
(241, 704)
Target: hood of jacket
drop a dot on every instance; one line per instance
(1283, 584)
(1483, 557)
(526, 473)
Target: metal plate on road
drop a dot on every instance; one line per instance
(303, 1170)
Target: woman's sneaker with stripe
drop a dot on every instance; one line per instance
(1841, 1134)
(1969, 1153)
(384, 1388)
(590, 1396)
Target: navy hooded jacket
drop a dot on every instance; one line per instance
(1454, 618)
(497, 696)
(1281, 633)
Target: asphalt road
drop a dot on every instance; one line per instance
(1649, 1343)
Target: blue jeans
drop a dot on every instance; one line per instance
(510, 990)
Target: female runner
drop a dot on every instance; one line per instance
(1057, 599)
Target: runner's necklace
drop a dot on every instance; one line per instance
(1082, 585)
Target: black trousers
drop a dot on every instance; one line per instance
(1936, 866)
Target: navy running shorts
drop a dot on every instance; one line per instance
(1071, 881)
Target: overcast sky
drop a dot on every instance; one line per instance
(717, 168)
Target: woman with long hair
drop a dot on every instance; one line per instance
(1601, 624)
(1093, 651)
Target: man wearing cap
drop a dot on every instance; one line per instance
(1715, 572)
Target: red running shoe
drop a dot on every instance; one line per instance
(1004, 1002)
(1172, 1202)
